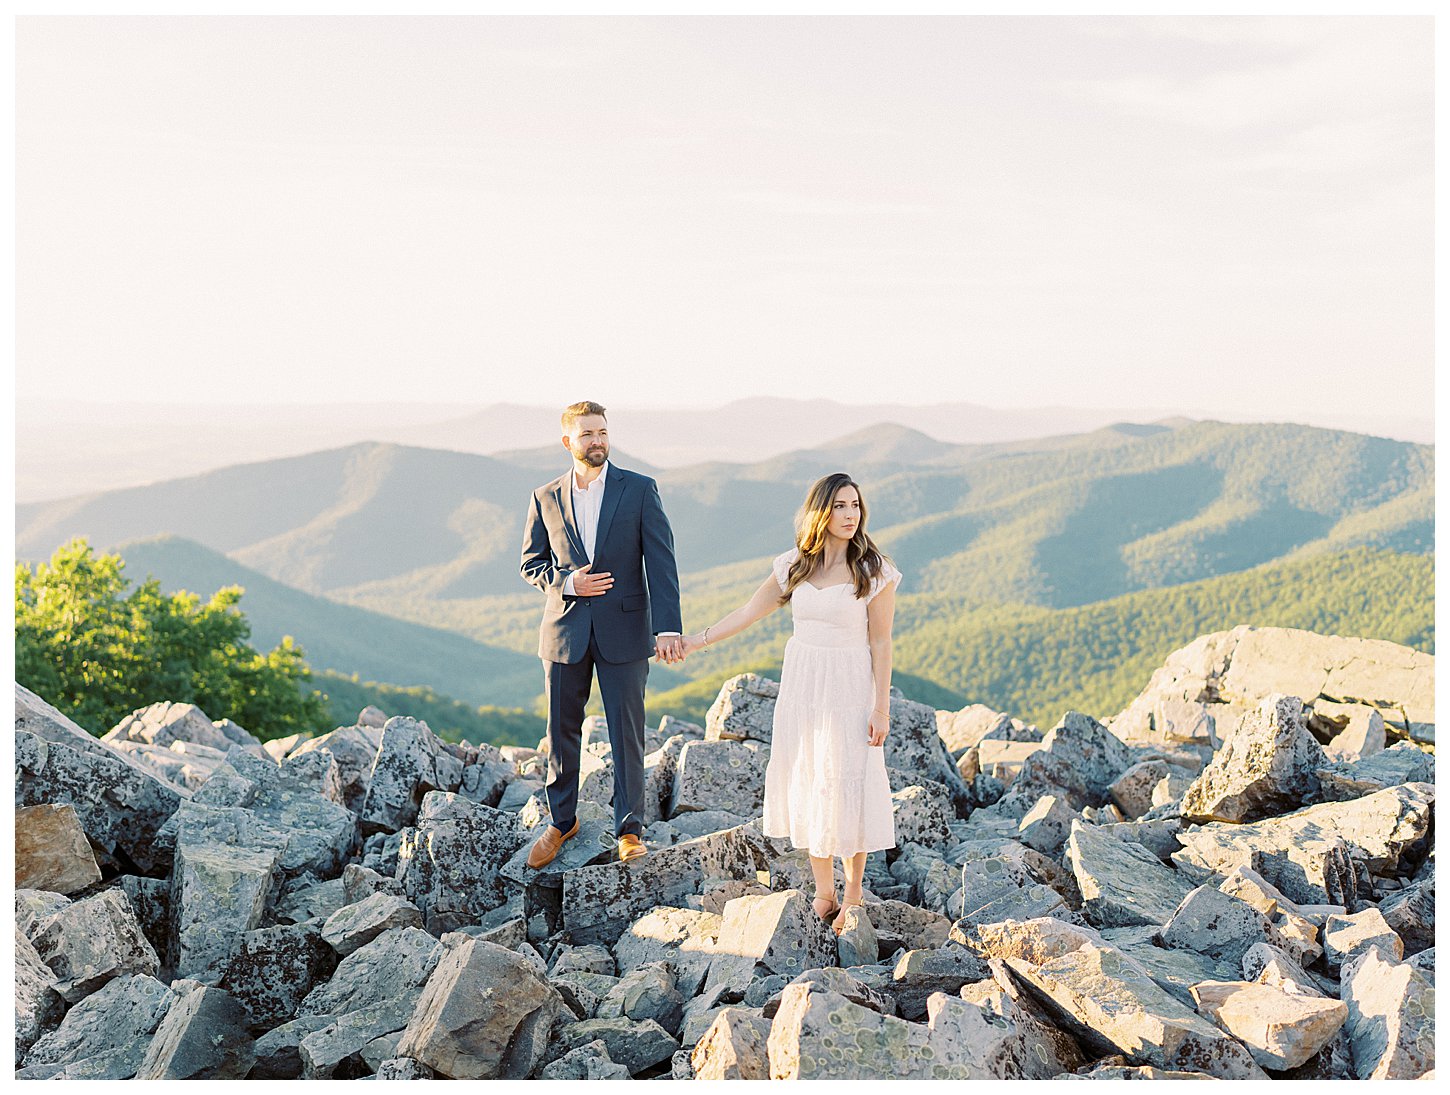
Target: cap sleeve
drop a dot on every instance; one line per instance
(889, 574)
(781, 566)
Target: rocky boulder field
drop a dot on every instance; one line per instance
(1232, 878)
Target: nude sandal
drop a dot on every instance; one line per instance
(829, 913)
(843, 908)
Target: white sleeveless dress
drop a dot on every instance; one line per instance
(825, 786)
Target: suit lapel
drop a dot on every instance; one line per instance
(613, 488)
(564, 497)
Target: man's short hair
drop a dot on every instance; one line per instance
(575, 411)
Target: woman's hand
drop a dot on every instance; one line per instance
(880, 727)
(693, 643)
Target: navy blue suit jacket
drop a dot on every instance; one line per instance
(633, 543)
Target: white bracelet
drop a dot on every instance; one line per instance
(707, 635)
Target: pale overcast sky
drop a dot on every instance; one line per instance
(1224, 213)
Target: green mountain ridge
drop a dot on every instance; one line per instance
(993, 537)
(342, 638)
(1069, 521)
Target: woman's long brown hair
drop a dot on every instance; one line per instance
(862, 555)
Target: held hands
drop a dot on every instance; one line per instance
(880, 727)
(587, 584)
(669, 649)
(672, 649)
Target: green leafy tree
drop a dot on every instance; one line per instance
(97, 651)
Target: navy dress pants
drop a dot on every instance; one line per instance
(566, 690)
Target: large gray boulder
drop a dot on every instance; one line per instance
(636, 1046)
(1404, 762)
(645, 992)
(920, 973)
(1356, 731)
(88, 942)
(484, 1014)
(600, 902)
(961, 730)
(590, 1061)
(1282, 1027)
(1007, 1036)
(913, 927)
(450, 862)
(1411, 913)
(820, 1035)
(228, 864)
(1227, 673)
(826, 979)
(1113, 1005)
(920, 813)
(1266, 767)
(279, 1054)
(1035, 941)
(779, 931)
(1296, 852)
(120, 805)
(105, 1036)
(1213, 923)
(354, 748)
(271, 970)
(321, 834)
(1347, 934)
(356, 925)
(1174, 970)
(1122, 884)
(38, 1006)
(202, 1036)
(744, 710)
(1391, 1020)
(684, 939)
(162, 724)
(1079, 760)
(720, 775)
(184, 764)
(372, 993)
(914, 746)
(410, 762)
(734, 1048)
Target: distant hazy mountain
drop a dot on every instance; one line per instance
(1063, 521)
(67, 447)
(340, 637)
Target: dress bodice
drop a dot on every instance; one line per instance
(832, 615)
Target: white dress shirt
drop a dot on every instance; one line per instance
(587, 502)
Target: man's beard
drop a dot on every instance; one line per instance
(594, 459)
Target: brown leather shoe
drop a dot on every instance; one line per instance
(631, 847)
(548, 845)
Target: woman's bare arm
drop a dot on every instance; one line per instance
(879, 616)
(764, 601)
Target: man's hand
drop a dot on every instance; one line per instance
(669, 649)
(591, 585)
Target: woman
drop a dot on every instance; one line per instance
(825, 786)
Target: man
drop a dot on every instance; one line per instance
(597, 542)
